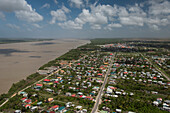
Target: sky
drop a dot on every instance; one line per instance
(84, 18)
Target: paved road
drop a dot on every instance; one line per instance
(156, 68)
(95, 108)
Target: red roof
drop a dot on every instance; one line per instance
(56, 106)
(27, 105)
(78, 63)
(125, 72)
(28, 101)
(154, 77)
(88, 97)
(39, 85)
(81, 96)
(73, 95)
(52, 111)
(56, 82)
(24, 98)
(113, 88)
(46, 80)
(99, 74)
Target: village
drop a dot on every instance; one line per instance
(98, 81)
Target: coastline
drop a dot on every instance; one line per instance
(48, 44)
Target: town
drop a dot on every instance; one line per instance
(100, 77)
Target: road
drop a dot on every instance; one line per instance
(156, 68)
(98, 98)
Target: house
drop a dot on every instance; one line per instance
(55, 108)
(27, 106)
(49, 90)
(38, 86)
(68, 104)
(156, 103)
(24, 99)
(118, 110)
(50, 99)
(103, 111)
(78, 107)
(46, 80)
(33, 108)
(28, 101)
(39, 103)
(61, 109)
(17, 111)
(44, 72)
(68, 94)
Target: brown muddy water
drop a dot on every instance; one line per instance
(18, 60)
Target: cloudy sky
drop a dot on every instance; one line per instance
(84, 18)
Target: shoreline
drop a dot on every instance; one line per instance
(45, 60)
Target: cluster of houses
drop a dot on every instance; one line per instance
(163, 104)
(139, 70)
(81, 79)
(162, 62)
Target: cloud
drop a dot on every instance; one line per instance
(29, 16)
(70, 25)
(112, 25)
(59, 14)
(159, 7)
(2, 16)
(92, 18)
(96, 26)
(37, 25)
(76, 3)
(46, 5)
(13, 26)
(55, 1)
(132, 15)
(21, 9)
(109, 17)
(154, 27)
(65, 9)
(158, 14)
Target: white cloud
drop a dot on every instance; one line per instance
(59, 14)
(158, 13)
(46, 5)
(37, 25)
(13, 26)
(132, 15)
(117, 16)
(65, 9)
(77, 3)
(29, 16)
(154, 27)
(113, 25)
(2, 16)
(22, 10)
(92, 18)
(14, 5)
(159, 7)
(55, 1)
(96, 26)
(70, 25)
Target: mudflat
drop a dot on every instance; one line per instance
(18, 60)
